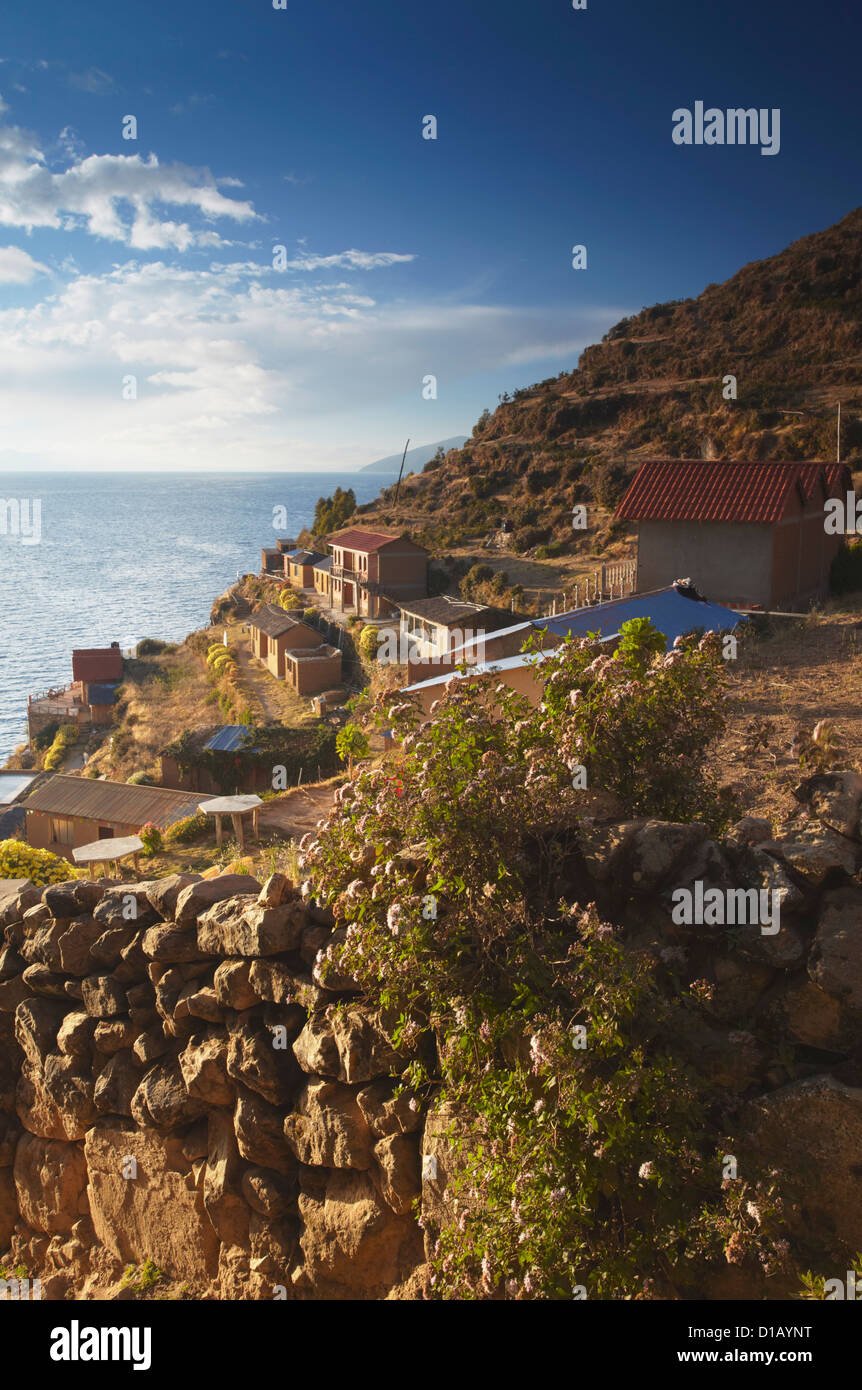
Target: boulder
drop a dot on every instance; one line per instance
(835, 963)
(116, 1084)
(259, 1129)
(269, 1194)
(277, 889)
(37, 1023)
(164, 892)
(112, 1035)
(812, 1129)
(51, 1183)
(170, 945)
(243, 926)
(197, 897)
(348, 1044)
(157, 1214)
(43, 981)
(816, 854)
(8, 1207)
(354, 1245)
(800, 1011)
(104, 996)
(204, 1068)
(125, 904)
(399, 1171)
(56, 1102)
(106, 951)
(835, 798)
(327, 1129)
(75, 1034)
(75, 945)
(162, 1099)
(658, 848)
(225, 1205)
(61, 899)
(254, 1060)
(386, 1113)
(232, 984)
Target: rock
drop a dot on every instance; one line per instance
(603, 847)
(253, 1060)
(439, 1158)
(159, 1213)
(243, 927)
(751, 830)
(12, 963)
(223, 1198)
(17, 895)
(107, 950)
(164, 892)
(275, 982)
(51, 1183)
(113, 1035)
(658, 848)
(195, 1142)
(125, 905)
(75, 1034)
(42, 947)
(325, 971)
(37, 1023)
(813, 1129)
(362, 1049)
(10, 1133)
(386, 1113)
(75, 945)
(400, 1174)
(41, 980)
(354, 1245)
(327, 1128)
(87, 892)
(104, 997)
(232, 985)
(835, 798)
(199, 1003)
(259, 1129)
(739, 985)
(151, 1045)
(197, 897)
(8, 1207)
(277, 889)
(316, 1050)
(268, 1193)
(835, 963)
(162, 1098)
(801, 1012)
(60, 899)
(204, 1068)
(56, 1102)
(170, 945)
(13, 993)
(313, 941)
(116, 1084)
(786, 950)
(816, 854)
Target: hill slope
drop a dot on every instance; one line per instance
(415, 458)
(788, 328)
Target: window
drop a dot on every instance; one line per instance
(62, 830)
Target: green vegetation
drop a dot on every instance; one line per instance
(19, 860)
(151, 838)
(351, 743)
(185, 831)
(65, 737)
(846, 573)
(331, 513)
(585, 1149)
(368, 643)
(142, 1278)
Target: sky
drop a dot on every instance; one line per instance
(148, 319)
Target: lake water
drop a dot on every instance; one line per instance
(126, 556)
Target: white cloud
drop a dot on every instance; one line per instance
(355, 260)
(240, 366)
(110, 196)
(17, 268)
(93, 80)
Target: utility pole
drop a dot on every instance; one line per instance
(838, 456)
(400, 471)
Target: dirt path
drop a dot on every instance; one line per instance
(297, 811)
(254, 680)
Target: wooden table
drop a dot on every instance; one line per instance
(235, 807)
(109, 852)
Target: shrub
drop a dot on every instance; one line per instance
(182, 832)
(140, 779)
(310, 615)
(351, 743)
(46, 736)
(845, 575)
(19, 860)
(151, 646)
(368, 643)
(289, 601)
(579, 1165)
(151, 838)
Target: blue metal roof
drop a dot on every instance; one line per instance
(229, 739)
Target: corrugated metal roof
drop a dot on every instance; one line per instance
(447, 611)
(304, 557)
(685, 490)
(97, 664)
(324, 564)
(111, 802)
(229, 739)
(13, 784)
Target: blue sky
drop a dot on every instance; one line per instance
(302, 127)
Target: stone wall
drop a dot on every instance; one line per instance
(179, 1083)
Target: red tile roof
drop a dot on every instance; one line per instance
(365, 541)
(684, 490)
(97, 664)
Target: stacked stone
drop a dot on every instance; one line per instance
(179, 1085)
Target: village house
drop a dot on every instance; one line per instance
(64, 813)
(430, 628)
(273, 632)
(675, 611)
(371, 572)
(321, 575)
(299, 567)
(273, 559)
(224, 746)
(90, 696)
(309, 670)
(748, 534)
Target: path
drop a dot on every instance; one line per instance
(297, 811)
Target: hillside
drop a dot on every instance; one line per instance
(789, 329)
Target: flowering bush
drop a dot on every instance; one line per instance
(151, 837)
(19, 860)
(591, 1153)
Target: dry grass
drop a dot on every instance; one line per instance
(810, 669)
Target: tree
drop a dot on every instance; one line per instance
(351, 743)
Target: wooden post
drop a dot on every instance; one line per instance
(255, 823)
(236, 822)
(219, 831)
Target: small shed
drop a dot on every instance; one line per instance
(65, 813)
(273, 631)
(313, 669)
